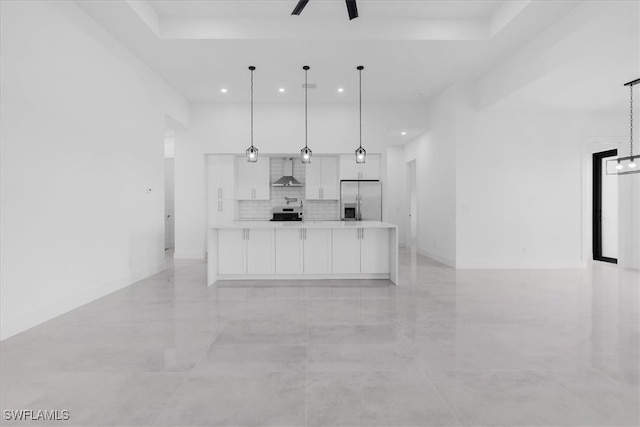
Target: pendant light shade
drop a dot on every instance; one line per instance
(361, 153)
(305, 153)
(252, 152)
(626, 165)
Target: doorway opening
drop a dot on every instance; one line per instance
(169, 204)
(412, 206)
(605, 209)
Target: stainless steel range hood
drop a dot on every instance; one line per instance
(287, 179)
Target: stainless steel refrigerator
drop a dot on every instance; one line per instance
(360, 200)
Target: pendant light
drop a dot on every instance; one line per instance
(305, 153)
(626, 165)
(252, 152)
(361, 153)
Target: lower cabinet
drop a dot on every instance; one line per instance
(259, 251)
(231, 251)
(361, 250)
(346, 250)
(245, 251)
(303, 250)
(374, 250)
(317, 250)
(289, 256)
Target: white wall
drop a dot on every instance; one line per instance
(82, 140)
(435, 156)
(521, 188)
(394, 195)
(278, 129)
(511, 189)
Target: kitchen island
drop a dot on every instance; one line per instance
(251, 250)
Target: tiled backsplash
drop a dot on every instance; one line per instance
(313, 209)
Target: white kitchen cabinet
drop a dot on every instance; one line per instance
(313, 179)
(361, 250)
(220, 189)
(221, 211)
(231, 253)
(303, 250)
(289, 251)
(330, 179)
(317, 250)
(300, 251)
(253, 179)
(374, 250)
(245, 251)
(321, 179)
(346, 250)
(220, 176)
(259, 243)
(349, 169)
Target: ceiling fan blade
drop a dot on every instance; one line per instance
(298, 9)
(352, 8)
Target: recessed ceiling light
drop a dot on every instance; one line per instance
(281, 90)
(403, 133)
(340, 90)
(223, 90)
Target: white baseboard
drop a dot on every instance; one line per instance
(446, 261)
(359, 276)
(189, 255)
(519, 264)
(22, 323)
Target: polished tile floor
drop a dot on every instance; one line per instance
(446, 347)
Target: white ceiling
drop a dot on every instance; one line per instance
(411, 50)
(324, 8)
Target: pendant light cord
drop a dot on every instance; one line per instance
(631, 122)
(360, 73)
(306, 88)
(251, 68)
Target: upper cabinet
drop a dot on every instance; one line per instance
(220, 177)
(253, 179)
(220, 189)
(321, 179)
(349, 169)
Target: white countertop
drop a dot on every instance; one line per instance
(305, 224)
